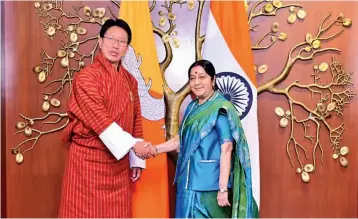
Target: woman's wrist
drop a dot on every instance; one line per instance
(223, 190)
(156, 151)
(159, 148)
(222, 186)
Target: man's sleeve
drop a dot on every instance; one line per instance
(95, 116)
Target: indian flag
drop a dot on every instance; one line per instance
(150, 193)
(227, 45)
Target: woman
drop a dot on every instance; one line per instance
(213, 172)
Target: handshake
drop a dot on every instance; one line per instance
(144, 150)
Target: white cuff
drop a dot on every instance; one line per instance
(135, 161)
(117, 141)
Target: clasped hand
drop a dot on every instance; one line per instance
(144, 150)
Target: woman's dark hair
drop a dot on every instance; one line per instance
(207, 66)
(118, 23)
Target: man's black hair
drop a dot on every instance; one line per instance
(119, 23)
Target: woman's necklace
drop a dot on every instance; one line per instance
(208, 99)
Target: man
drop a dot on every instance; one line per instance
(104, 130)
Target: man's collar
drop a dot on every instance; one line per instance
(106, 63)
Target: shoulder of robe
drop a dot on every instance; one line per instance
(90, 72)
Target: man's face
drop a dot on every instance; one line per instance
(114, 45)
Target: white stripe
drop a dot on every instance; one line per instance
(217, 51)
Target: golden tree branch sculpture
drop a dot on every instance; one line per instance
(306, 51)
(71, 59)
(331, 101)
(270, 8)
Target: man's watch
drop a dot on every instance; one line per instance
(223, 190)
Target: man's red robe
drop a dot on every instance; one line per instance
(95, 183)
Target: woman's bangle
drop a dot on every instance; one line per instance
(223, 190)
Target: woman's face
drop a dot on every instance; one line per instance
(200, 82)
